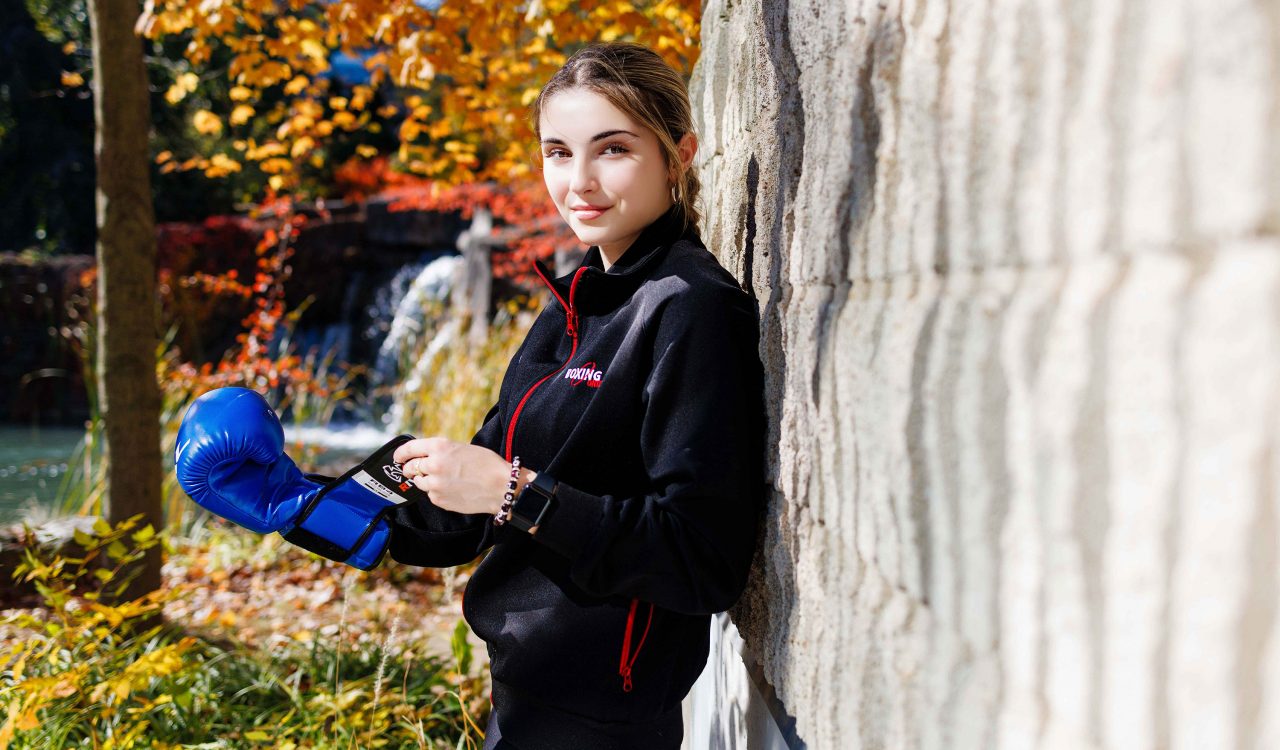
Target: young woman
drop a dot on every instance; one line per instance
(617, 481)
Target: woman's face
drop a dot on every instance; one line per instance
(605, 172)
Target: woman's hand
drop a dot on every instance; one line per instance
(460, 477)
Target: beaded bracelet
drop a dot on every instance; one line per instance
(503, 515)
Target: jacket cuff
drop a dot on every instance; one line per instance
(572, 522)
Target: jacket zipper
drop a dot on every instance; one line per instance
(628, 659)
(571, 327)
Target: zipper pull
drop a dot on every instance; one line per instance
(571, 322)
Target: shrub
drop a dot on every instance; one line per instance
(84, 671)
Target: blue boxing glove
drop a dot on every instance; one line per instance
(230, 459)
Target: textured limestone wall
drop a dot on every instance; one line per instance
(1018, 263)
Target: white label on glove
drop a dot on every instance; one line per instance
(366, 480)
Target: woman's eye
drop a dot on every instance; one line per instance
(554, 153)
(620, 148)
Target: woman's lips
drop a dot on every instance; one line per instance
(589, 213)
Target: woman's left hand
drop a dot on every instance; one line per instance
(460, 477)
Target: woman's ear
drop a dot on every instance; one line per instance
(687, 147)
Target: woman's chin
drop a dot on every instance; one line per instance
(588, 235)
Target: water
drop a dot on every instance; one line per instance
(407, 307)
(33, 463)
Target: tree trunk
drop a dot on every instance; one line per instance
(128, 395)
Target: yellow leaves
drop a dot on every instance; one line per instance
(53, 686)
(271, 73)
(221, 165)
(35, 693)
(409, 130)
(360, 96)
(366, 151)
(182, 85)
(344, 120)
(308, 108)
(313, 49)
(243, 62)
(71, 79)
(302, 146)
(439, 129)
(297, 85)
(339, 702)
(275, 166)
(206, 122)
(26, 721)
(496, 57)
(161, 662)
(241, 114)
(265, 151)
(113, 616)
(127, 738)
(288, 126)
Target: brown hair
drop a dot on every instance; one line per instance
(637, 81)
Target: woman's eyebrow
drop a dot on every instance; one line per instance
(596, 137)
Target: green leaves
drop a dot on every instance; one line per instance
(88, 673)
(461, 647)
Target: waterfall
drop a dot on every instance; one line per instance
(393, 321)
(431, 283)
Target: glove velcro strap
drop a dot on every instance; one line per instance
(313, 542)
(359, 499)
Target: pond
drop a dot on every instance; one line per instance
(33, 463)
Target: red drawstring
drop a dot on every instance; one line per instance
(628, 658)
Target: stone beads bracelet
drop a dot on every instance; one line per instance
(504, 515)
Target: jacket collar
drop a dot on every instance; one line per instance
(630, 269)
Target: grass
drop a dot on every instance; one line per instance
(82, 671)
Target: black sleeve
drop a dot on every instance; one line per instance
(422, 534)
(687, 545)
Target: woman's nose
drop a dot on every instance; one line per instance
(583, 178)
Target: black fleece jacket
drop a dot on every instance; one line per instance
(640, 391)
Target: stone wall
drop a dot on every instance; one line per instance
(1018, 266)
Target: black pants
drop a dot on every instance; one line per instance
(555, 729)
(493, 736)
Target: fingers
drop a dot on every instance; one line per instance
(417, 467)
(418, 447)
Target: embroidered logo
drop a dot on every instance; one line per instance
(586, 374)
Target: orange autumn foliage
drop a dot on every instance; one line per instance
(477, 63)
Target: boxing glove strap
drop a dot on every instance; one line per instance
(379, 475)
(329, 549)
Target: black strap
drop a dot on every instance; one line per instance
(332, 550)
